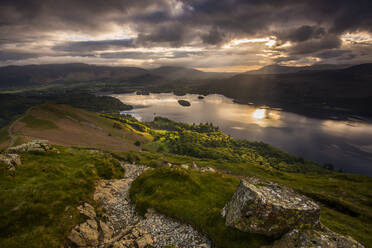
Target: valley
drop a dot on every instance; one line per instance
(344, 198)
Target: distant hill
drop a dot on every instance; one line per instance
(346, 91)
(176, 73)
(280, 69)
(68, 126)
(36, 75)
(31, 75)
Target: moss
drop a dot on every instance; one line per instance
(195, 198)
(346, 198)
(39, 199)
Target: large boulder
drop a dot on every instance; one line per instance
(269, 208)
(35, 145)
(320, 237)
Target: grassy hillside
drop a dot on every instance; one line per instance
(65, 125)
(48, 186)
(12, 106)
(39, 199)
(345, 199)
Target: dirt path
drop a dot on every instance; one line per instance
(11, 135)
(161, 230)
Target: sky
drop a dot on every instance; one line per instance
(210, 35)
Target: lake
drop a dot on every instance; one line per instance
(345, 144)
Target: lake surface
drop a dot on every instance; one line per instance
(345, 144)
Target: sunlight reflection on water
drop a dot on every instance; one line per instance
(345, 144)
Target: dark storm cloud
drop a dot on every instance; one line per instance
(315, 45)
(174, 34)
(302, 33)
(312, 27)
(88, 46)
(332, 53)
(9, 55)
(213, 37)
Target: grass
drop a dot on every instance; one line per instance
(345, 199)
(34, 122)
(39, 199)
(69, 126)
(195, 198)
(4, 137)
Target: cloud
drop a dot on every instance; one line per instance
(91, 46)
(213, 37)
(316, 45)
(116, 28)
(332, 53)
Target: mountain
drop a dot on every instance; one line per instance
(31, 75)
(177, 73)
(313, 93)
(280, 69)
(65, 125)
(37, 75)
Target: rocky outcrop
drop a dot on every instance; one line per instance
(124, 227)
(269, 209)
(277, 211)
(35, 145)
(92, 233)
(321, 237)
(11, 160)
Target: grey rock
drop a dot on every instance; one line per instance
(194, 165)
(144, 241)
(320, 237)
(11, 160)
(85, 234)
(270, 209)
(87, 210)
(207, 169)
(35, 145)
(184, 166)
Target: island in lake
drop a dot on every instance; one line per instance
(184, 103)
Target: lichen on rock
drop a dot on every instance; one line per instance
(320, 237)
(35, 145)
(277, 211)
(269, 208)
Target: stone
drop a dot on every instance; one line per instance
(320, 237)
(144, 241)
(35, 145)
(208, 169)
(11, 160)
(269, 208)
(133, 230)
(194, 165)
(87, 210)
(184, 166)
(106, 231)
(85, 234)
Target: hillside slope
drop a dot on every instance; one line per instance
(68, 126)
